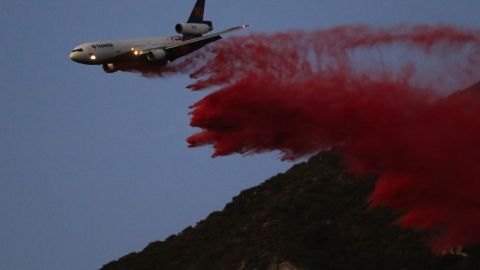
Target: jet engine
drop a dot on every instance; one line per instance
(110, 68)
(193, 28)
(156, 55)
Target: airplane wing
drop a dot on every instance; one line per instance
(185, 47)
(207, 37)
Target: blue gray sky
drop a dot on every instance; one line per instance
(94, 166)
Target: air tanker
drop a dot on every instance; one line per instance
(116, 55)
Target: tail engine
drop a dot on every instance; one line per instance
(194, 28)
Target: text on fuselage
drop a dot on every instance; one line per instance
(104, 45)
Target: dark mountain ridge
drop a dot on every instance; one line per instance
(472, 92)
(314, 216)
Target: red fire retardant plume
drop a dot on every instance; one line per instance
(371, 94)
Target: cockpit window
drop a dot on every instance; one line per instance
(78, 50)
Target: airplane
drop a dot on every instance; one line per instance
(115, 55)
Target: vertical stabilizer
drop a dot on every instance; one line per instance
(197, 17)
(197, 13)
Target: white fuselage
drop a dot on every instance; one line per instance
(127, 50)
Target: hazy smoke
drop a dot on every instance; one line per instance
(376, 95)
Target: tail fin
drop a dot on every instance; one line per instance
(197, 17)
(197, 13)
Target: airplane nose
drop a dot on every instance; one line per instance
(74, 57)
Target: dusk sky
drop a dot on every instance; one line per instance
(94, 166)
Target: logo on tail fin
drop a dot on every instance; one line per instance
(198, 11)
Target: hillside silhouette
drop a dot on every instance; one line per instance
(314, 216)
